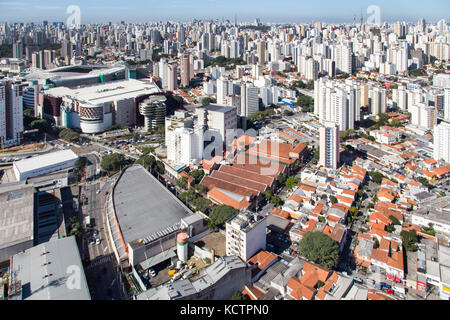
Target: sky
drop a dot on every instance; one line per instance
(283, 11)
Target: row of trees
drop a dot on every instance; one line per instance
(306, 102)
(69, 135)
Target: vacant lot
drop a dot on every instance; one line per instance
(215, 241)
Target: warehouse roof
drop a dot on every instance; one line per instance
(45, 272)
(16, 214)
(44, 160)
(109, 91)
(143, 206)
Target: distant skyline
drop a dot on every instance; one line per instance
(282, 11)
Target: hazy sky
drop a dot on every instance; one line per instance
(246, 10)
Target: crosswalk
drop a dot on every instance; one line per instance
(102, 260)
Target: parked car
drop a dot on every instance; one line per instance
(358, 280)
(384, 285)
(97, 241)
(390, 291)
(152, 272)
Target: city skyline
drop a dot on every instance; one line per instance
(151, 10)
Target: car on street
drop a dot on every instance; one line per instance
(152, 272)
(92, 242)
(95, 233)
(390, 291)
(97, 241)
(358, 280)
(385, 285)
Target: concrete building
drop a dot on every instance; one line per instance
(95, 108)
(49, 271)
(434, 211)
(154, 111)
(217, 281)
(249, 99)
(245, 235)
(184, 140)
(329, 145)
(16, 219)
(43, 164)
(172, 82)
(423, 116)
(185, 70)
(11, 113)
(220, 119)
(441, 142)
(144, 218)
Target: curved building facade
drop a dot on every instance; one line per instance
(154, 111)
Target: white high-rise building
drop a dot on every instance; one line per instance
(447, 104)
(329, 145)
(377, 100)
(343, 58)
(245, 235)
(11, 113)
(222, 119)
(222, 90)
(184, 140)
(442, 142)
(423, 116)
(249, 99)
(337, 102)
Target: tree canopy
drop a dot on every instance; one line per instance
(320, 248)
(147, 161)
(41, 124)
(291, 182)
(197, 175)
(69, 135)
(112, 162)
(219, 215)
(409, 240)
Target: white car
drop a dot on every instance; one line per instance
(97, 241)
(152, 272)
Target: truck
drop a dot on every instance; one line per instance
(87, 221)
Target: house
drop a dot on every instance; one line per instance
(261, 260)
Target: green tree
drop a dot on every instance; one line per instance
(333, 199)
(182, 183)
(291, 182)
(75, 227)
(208, 100)
(237, 295)
(159, 167)
(275, 200)
(320, 248)
(69, 135)
(201, 189)
(394, 220)
(268, 194)
(376, 176)
(219, 215)
(41, 124)
(187, 197)
(146, 161)
(147, 150)
(201, 204)
(281, 179)
(197, 175)
(423, 181)
(112, 162)
(409, 240)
